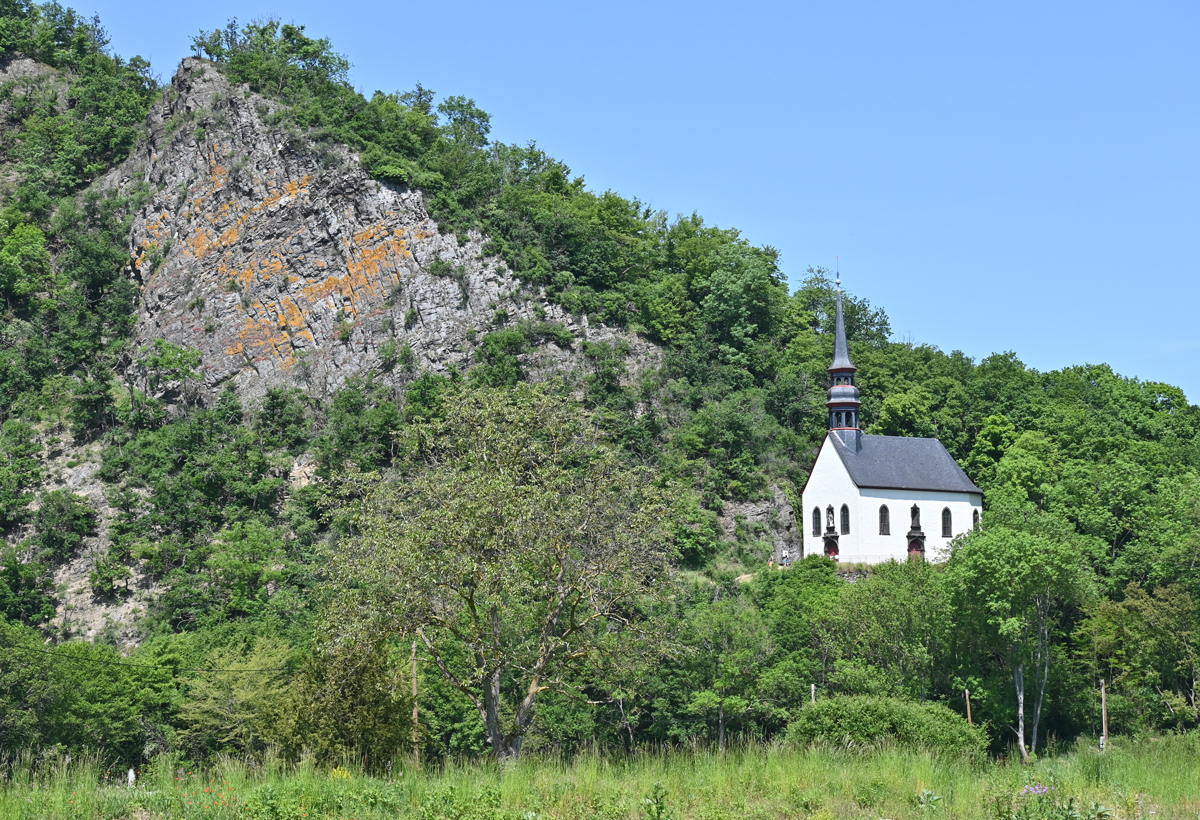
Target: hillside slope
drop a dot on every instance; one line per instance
(283, 263)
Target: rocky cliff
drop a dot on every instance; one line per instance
(282, 262)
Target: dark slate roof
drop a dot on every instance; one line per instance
(900, 463)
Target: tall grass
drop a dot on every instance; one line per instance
(1157, 778)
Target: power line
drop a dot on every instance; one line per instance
(78, 659)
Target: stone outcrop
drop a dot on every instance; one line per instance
(283, 263)
(772, 520)
(75, 468)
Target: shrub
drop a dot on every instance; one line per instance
(63, 521)
(869, 721)
(388, 353)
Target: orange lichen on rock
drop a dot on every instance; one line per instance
(371, 262)
(156, 228)
(290, 314)
(271, 267)
(201, 244)
(257, 334)
(322, 290)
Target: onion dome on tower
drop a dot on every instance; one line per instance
(843, 400)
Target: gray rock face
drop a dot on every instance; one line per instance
(774, 518)
(283, 263)
(80, 613)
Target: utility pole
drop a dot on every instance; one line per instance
(814, 693)
(1103, 716)
(416, 733)
(967, 693)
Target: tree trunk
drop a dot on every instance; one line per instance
(625, 721)
(1019, 681)
(491, 715)
(1043, 677)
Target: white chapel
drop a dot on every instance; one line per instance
(874, 498)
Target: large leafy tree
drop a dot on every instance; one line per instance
(1014, 584)
(1146, 647)
(886, 634)
(732, 645)
(517, 544)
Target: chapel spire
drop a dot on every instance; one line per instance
(841, 351)
(843, 400)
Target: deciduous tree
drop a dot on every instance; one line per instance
(1013, 583)
(516, 544)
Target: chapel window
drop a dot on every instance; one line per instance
(947, 524)
(816, 520)
(975, 519)
(845, 519)
(885, 525)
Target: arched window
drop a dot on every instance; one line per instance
(947, 524)
(975, 519)
(816, 520)
(845, 519)
(885, 524)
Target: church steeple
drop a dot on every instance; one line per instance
(843, 400)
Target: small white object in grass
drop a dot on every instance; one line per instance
(132, 777)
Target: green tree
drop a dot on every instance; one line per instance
(1014, 583)
(24, 261)
(1147, 648)
(25, 590)
(793, 602)
(516, 545)
(348, 702)
(887, 634)
(62, 520)
(732, 644)
(233, 707)
(246, 559)
(906, 414)
(20, 470)
(31, 694)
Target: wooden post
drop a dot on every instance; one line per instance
(1103, 716)
(814, 693)
(967, 693)
(416, 734)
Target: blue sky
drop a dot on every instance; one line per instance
(1005, 176)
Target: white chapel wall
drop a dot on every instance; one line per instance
(830, 484)
(875, 548)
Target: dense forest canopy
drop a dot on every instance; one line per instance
(1086, 566)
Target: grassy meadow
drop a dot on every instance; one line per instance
(1157, 778)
